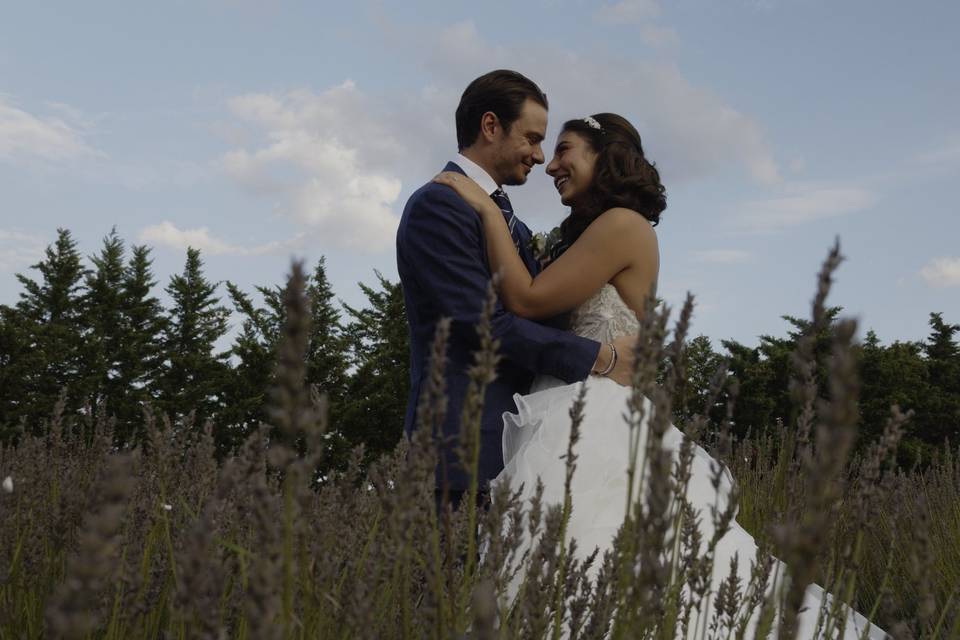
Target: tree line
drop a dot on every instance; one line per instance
(96, 337)
(93, 335)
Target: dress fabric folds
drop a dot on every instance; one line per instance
(535, 441)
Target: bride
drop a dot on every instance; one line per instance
(608, 265)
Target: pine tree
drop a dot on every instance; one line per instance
(255, 351)
(327, 359)
(193, 376)
(764, 373)
(895, 374)
(49, 319)
(140, 356)
(107, 330)
(940, 415)
(376, 398)
(701, 363)
(254, 354)
(941, 347)
(755, 409)
(327, 348)
(17, 359)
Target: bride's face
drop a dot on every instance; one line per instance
(572, 167)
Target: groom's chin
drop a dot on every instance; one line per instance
(516, 180)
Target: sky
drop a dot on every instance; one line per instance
(258, 131)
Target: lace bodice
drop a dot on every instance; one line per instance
(604, 317)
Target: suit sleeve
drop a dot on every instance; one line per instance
(444, 239)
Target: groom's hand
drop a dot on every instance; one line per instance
(623, 369)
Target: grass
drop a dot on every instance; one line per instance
(162, 541)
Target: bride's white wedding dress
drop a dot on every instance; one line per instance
(535, 438)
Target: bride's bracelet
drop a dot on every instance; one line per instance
(613, 361)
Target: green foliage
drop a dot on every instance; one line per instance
(254, 350)
(101, 334)
(123, 326)
(48, 325)
(941, 412)
(140, 355)
(327, 344)
(376, 395)
(919, 376)
(162, 541)
(895, 374)
(193, 376)
(702, 363)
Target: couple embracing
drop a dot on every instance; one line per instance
(572, 322)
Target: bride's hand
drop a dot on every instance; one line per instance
(626, 354)
(469, 190)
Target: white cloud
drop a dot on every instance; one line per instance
(948, 152)
(628, 11)
(722, 256)
(327, 159)
(337, 161)
(52, 139)
(942, 272)
(642, 13)
(657, 36)
(800, 208)
(168, 235)
(689, 131)
(19, 250)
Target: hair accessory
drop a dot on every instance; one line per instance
(592, 123)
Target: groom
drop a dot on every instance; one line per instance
(501, 122)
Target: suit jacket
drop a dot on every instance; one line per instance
(442, 261)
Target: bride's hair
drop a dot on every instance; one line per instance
(622, 176)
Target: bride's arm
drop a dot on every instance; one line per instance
(608, 246)
(618, 239)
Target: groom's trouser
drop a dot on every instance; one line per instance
(453, 500)
(455, 497)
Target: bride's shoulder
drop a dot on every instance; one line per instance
(618, 221)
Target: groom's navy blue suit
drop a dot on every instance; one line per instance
(442, 260)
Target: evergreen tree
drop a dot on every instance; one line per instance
(107, 330)
(940, 417)
(193, 376)
(327, 349)
(764, 374)
(755, 409)
(255, 351)
(140, 355)
(701, 363)
(254, 354)
(941, 347)
(327, 359)
(376, 397)
(891, 375)
(17, 359)
(49, 319)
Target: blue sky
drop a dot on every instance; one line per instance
(260, 130)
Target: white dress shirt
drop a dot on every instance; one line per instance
(476, 173)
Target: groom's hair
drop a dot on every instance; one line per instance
(503, 92)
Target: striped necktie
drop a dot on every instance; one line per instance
(500, 197)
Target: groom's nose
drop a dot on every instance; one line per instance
(538, 154)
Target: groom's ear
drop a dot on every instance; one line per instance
(490, 127)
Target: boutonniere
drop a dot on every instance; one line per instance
(542, 244)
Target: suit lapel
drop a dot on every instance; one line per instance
(521, 230)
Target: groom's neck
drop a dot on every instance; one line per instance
(482, 160)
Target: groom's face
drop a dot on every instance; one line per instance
(518, 150)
